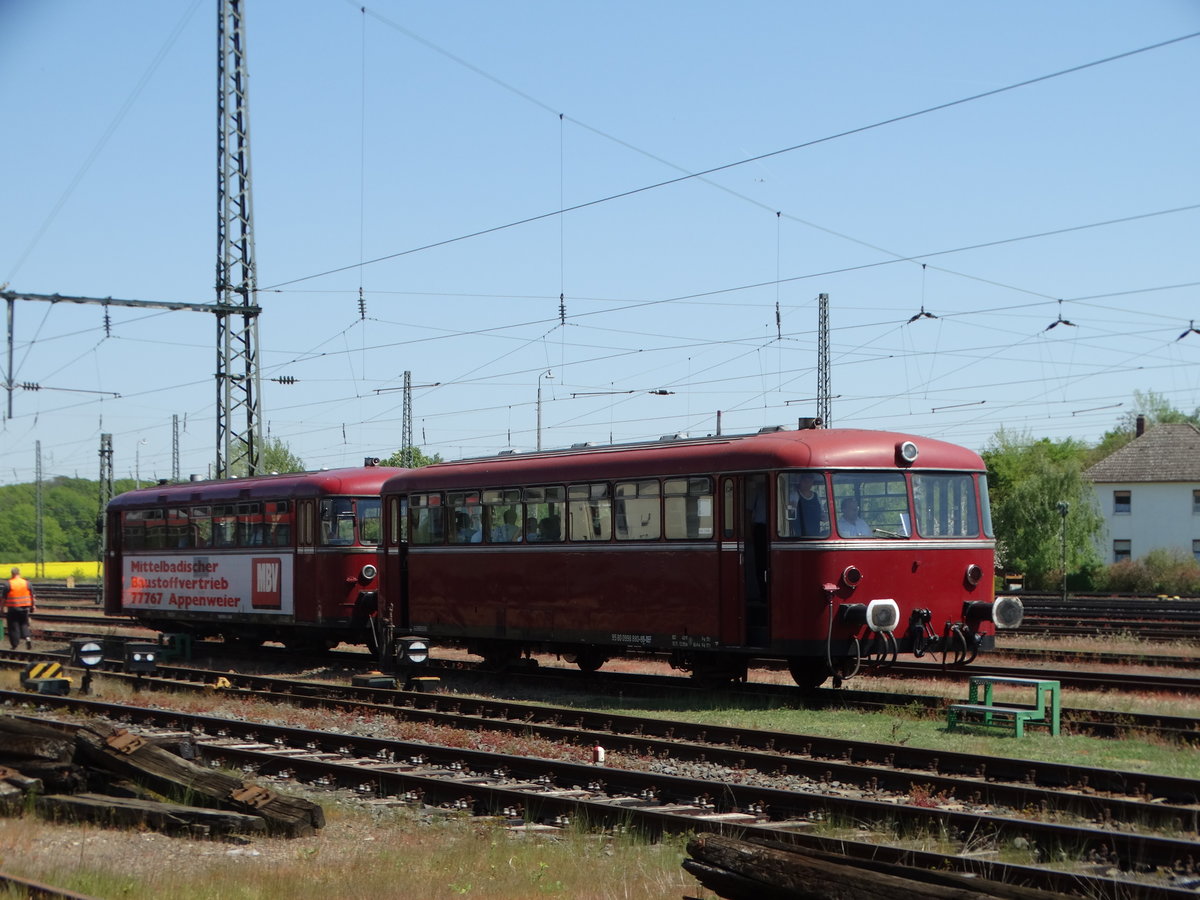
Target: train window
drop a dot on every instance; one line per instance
(1122, 503)
(544, 509)
(224, 526)
(337, 521)
(985, 505)
(502, 515)
(277, 523)
(425, 518)
(250, 524)
(467, 517)
(802, 505)
(156, 528)
(133, 529)
(589, 511)
(945, 504)
(688, 508)
(179, 533)
(637, 510)
(202, 528)
(367, 510)
(871, 504)
(304, 522)
(728, 523)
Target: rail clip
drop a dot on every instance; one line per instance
(124, 742)
(252, 795)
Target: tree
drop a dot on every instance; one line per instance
(420, 459)
(1027, 480)
(277, 457)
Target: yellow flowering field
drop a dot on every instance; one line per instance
(55, 571)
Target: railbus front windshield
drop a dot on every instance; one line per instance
(346, 521)
(858, 504)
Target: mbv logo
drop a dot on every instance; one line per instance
(267, 577)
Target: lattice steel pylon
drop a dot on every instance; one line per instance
(406, 429)
(239, 433)
(824, 387)
(106, 493)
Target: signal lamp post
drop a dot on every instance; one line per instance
(541, 375)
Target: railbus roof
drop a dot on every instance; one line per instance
(832, 448)
(290, 485)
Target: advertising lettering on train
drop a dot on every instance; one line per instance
(224, 584)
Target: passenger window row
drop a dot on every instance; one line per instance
(641, 510)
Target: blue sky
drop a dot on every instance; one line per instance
(377, 134)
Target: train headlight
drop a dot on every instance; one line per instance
(906, 453)
(883, 615)
(1008, 612)
(973, 575)
(369, 572)
(141, 658)
(851, 576)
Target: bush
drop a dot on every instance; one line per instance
(1167, 571)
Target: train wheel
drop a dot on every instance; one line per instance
(808, 674)
(590, 660)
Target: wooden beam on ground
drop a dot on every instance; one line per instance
(125, 755)
(105, 809)
(759, 869)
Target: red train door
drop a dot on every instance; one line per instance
(745, 561)
(756, 556)
(304, 574)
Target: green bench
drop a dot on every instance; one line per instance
(1047, 710)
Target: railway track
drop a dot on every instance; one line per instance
(1079, 720)
(764, 791)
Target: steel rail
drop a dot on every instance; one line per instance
(541, 789)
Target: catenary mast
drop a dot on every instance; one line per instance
(239, 433)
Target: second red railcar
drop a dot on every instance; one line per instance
(824, 548)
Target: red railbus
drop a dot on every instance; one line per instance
(291, 558)
(827, 548)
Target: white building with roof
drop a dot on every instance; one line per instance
(1149, 493)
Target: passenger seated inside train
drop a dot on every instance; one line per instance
(850, 523)
(550, 529)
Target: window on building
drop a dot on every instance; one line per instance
(1122, 503)
(1122, 550)
(1196, 503)
(1196, 550)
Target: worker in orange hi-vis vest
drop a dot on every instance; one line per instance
(18, 605)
